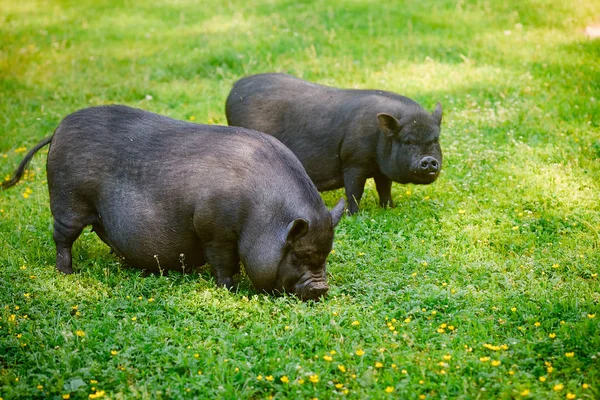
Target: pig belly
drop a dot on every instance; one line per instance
(151, 241)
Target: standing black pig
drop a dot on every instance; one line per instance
(342, 137)
(162, 193)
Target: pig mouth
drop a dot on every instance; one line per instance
(425, 178)
(311, 288)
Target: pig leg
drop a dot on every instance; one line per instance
(224, 259)
(64, 236)
(354, 182)
(384, 188)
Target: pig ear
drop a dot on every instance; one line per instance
(388, 124)
(437, 114)
(296, 229)
(337, 212)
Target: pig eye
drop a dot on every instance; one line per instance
(409, 142)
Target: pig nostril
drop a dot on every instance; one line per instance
(434, 164)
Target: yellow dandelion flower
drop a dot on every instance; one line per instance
(151, 299)
(495, 363)
(504, 347)
(550, 369)
(284, 379)
(484, 359)
(542, 379)
(422, 397)
(360, 353)
(461, 211)
(25, 195)
(552, 335)
(40, 387)
(259, 377)
(300, 381)
(571, 396)
(525, 392)
(536, 324)
(327, 358)
(391, 328)
(590, 316)
(407, 320)
(345, 391)
(341, 368)
(558, 387)
(570, 354)
(339, 385)
(66, 396)
(196, 355)
(114, 352)
(192, 117)
(389, 389)
(441, 330)
(314, 378)
(513, 309)
(333, 352)
(269, 378)
(360, 254)
(421, 382)
(80, 333)
(585, 386)
(451, 327)
(93, 381)
(555, 265)
(355, 323)
(378, 365)
(134, 318)
(447, 357)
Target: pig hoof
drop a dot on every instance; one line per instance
(65, 269)
(226, 282)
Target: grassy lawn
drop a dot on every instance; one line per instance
(482, 285)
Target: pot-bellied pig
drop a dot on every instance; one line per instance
(163, 193)
(343, 137)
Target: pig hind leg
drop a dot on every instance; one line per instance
(68, 224)
(225, 262)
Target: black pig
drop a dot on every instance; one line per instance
(342, 137)
(163, 193)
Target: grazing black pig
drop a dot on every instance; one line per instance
(163, 193)
(342, 137)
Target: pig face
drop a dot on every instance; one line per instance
(409, 150)
(300, 265)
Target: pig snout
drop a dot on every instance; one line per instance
(312, 289)
(429, 165)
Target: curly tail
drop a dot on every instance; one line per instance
(19, 172)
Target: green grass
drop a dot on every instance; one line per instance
(503, 248)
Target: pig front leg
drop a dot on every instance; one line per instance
(224, 260)
(384, 189)
(354, 182)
